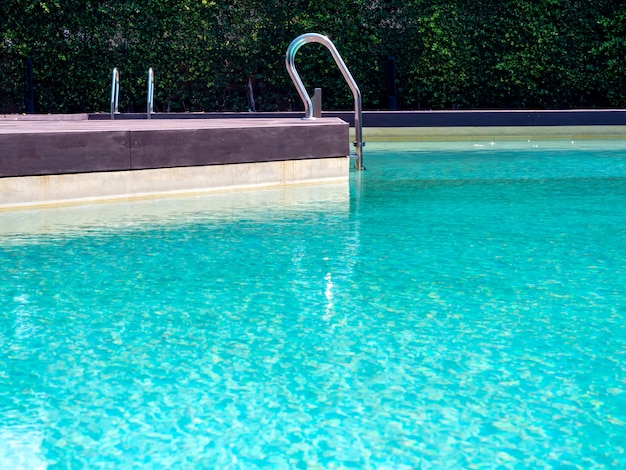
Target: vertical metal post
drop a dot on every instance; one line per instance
(150, 107)
(115, 92)
(317, 103)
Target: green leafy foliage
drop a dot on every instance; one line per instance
(228, 55)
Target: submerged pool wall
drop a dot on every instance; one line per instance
(491, 125)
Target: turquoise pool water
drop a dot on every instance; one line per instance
(459, 307)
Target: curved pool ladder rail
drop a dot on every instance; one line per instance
(306, 99)
(150, 106)
(115, 92)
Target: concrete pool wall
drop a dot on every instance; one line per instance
(55, 161)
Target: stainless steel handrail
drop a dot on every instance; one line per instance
(115, 92)
(306, 99)
(150, 106)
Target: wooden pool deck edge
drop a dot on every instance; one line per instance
(58, 161)
(60, 147)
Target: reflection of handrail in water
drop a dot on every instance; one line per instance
(115, 92)
(306, 99)
(150, 106)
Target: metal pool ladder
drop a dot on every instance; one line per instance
(306, 99)
(115, 93)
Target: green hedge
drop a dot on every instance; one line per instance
(471, 54)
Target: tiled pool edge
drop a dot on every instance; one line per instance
(472, 133)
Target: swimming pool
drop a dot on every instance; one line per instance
(461, 306)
